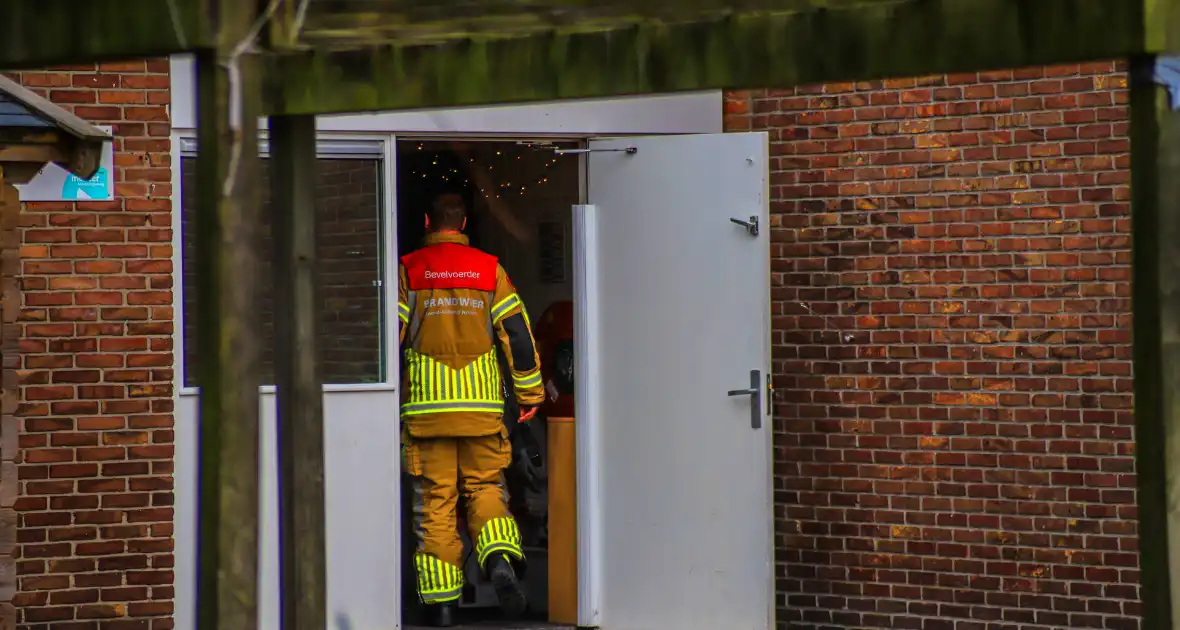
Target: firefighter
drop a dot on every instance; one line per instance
(455, 303)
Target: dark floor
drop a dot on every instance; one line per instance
(501, 625)
(485, 620)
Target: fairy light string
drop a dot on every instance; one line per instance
(440, 173)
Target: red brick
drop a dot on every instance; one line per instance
(72, 96)
(129, 97)
(45, 79)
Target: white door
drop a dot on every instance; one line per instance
(681, 292)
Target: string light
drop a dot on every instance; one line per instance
(443, 174)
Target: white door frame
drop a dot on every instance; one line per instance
(587, 448)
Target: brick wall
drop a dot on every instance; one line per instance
(95, 506)
(953, 350)
(348, 236)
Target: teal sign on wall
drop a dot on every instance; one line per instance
(55, 183)
(78, 189)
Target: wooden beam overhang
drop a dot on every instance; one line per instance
(45, 33)
(346, 56)
(743, 50)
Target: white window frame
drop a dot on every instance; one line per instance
(328, 145)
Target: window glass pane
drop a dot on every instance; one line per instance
(349, 247)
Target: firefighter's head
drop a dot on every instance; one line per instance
(447, 213)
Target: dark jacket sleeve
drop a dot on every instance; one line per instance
(515, 336)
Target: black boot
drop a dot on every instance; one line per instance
(508, 589)
(441, 615)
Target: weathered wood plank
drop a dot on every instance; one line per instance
(9, 426)
(7, 562)
(41, 33)
(302, 539)
(896, 38)
(7, 535)
(229, 331)
(9, 485)
(40, 154)
(350, 24)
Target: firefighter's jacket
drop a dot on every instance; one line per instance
(455, 303)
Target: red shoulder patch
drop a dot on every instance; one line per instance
(450, 266)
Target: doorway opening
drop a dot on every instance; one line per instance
(520, 197)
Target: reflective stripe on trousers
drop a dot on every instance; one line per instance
(438, 581)
(499, 535)
(436, 387)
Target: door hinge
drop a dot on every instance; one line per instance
(751, 225)
(769, 396)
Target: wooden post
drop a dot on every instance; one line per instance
(1155, 187)
(228, 222)
(302, 539)
(9, 393)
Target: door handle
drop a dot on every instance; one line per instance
(751, 225)
(755, 394)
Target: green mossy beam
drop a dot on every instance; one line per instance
(761, 49)
(44, 33)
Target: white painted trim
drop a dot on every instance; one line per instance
(184, 517)
(177, 200)
(269, 390)
(391, 361)
(691, 112)
(336, 146)
(589, 452)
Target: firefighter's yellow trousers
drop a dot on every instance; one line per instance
(444, 468)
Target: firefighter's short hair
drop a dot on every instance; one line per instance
(447, 212)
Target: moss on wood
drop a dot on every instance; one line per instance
(745, 50)
(42, 33)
